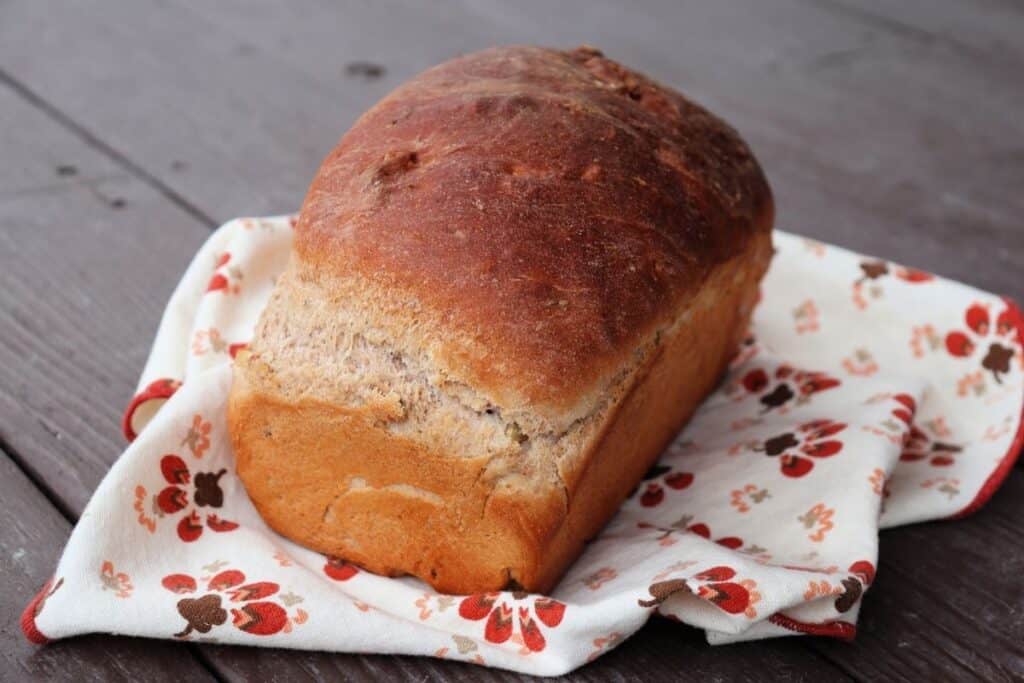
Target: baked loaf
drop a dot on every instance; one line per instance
(512, 282)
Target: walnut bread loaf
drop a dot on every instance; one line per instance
(512, 282)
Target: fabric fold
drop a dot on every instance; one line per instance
(867, 395)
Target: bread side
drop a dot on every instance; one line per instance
(445, 490)
(513, 281)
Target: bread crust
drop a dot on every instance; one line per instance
(558, 337)
(548, 210)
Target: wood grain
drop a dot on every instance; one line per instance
(128, 129)
(873, 138)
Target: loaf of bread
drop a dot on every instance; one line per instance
(512, 282)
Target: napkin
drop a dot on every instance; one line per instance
(866, 395)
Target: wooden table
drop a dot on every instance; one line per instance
(129, 130)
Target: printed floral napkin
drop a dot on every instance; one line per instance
(867, 395)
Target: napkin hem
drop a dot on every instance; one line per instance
(1002, 471)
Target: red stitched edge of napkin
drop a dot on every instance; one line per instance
(1002, 470)
(28, 617)
(161, 388)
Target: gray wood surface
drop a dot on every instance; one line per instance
(129, 129)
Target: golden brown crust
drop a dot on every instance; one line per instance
(513, 281)
(548, 209)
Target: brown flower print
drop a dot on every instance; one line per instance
(874, 271)
(862, 574)
(715, 586)
(777, 388)
(996, 343)
(251, 613)
(183, 491)
(795, 449)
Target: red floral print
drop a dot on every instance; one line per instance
(660, 477)
(996, 339)
(715, 586)
(920, 447)
(502, 615)
(810, 439)
(701, 529)
(776, 389)
(183, 491)
(251, 613)
(225, 276)
(338, 569)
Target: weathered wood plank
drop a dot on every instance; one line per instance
(988, 30)
(948, 602)
(890, 145)
(89, 259)
(886, 143)
(32, 534)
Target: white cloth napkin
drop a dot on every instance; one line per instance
(868, 395)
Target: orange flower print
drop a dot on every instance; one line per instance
(806, 316)
(211, 341)
(428, 601)
(877, 481)
(922, 336)
(118, 582)
(861, 363)
(144, 520)
(465, 647)
(818, 518)
(504, 611)
(198, 437)
(605, 643)
(817, 589)
(948, 486)
(599, 578)
(742, 499)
